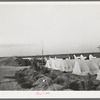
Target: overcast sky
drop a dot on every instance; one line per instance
(63, 27)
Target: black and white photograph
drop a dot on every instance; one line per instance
(50, 46)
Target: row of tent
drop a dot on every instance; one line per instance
(90, 57)
(46, 58)
(83, 58)
(76, 66)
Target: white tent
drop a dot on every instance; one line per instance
(93, 66)
(70, 64)
(60, 64)
(52, 64)
(97, 61)
(98, 75)
(91, 57)
(55, 57)
(75, 57)
(77, 69)
(81, 68)
(45, 58)
(82, 57)
(50, 58)
(66, 58)
(48, 64)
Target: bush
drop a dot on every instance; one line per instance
(74, 86)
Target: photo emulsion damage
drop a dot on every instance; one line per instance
(50, 46)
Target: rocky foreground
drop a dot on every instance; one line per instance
(53, 80)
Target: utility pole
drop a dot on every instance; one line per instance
(42, 53)
(82, 47)
(99, 48)
(42, 48)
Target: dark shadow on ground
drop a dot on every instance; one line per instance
(10, 77)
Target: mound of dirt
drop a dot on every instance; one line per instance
(42, 83)
(48, 79)
(11, 61)
(26, 77)
(61, 80)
